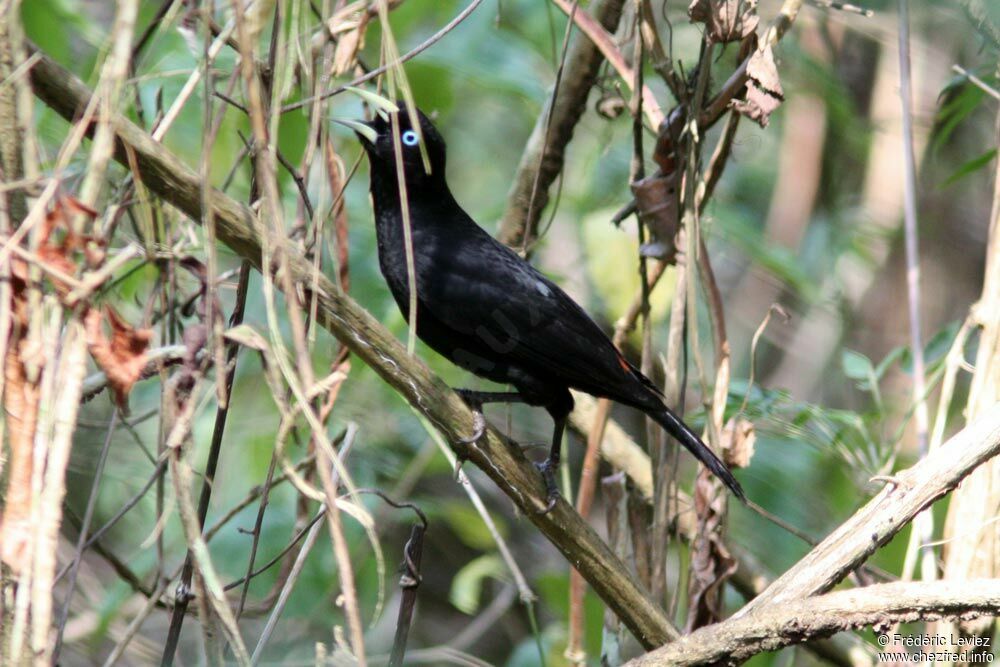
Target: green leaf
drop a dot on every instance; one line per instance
(470, 528)
(962, 100)
(856, 365)
(894, 355)
(467, 586)
(937, 347)
(973, 165)
(934, 351)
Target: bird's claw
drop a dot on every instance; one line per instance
(478, 427)
(548, 470)
(478, 418)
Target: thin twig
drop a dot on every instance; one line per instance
(553, 131)
(606, 43)
(243, 581)
(256, 493)
(180, 608)
(979, 83)
(887, 513)
(526, 238)
(423, 46)
(135, 624)
(110, 523)
(523, 588)
(81, 541)
(910, 230)
(289, 586)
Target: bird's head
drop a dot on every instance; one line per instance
(414, 142)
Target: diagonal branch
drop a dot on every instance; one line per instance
(237, 227)
(777, 626)
(785, 612)
(906, 494)
(543, 157)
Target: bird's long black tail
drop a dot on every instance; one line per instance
(683, 433)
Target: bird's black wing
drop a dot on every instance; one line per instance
(476, 289)
(480, 289)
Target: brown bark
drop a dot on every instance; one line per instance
(542, 161)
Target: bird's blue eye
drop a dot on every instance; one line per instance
(410, 138)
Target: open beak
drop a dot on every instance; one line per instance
(363, 129)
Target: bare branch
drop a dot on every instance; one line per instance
(733, 641)
(542, 160)
(886, 514)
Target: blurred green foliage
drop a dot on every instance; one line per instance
(487, 82)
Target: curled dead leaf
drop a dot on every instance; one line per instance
(711, 562)
(725, 20)
(348, 27)
(657, 200)
(738, 441)
(123, 357)
(610, 105)
(60, 238)
(764, 92)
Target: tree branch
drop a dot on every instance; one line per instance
(777, 626)
(718, 105)
(542, 161)
(750, 578)
(237, 227)
(877, 522)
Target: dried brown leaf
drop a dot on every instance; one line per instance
(711, 562)
(59, 240)
(348, 26)
(657, 199)
(20, 398)
(738, 440)
(123, 357)
(725, 20)
(764, 92)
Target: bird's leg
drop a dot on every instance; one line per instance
(549, 466)
(476, 400)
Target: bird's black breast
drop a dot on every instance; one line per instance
(439, 286)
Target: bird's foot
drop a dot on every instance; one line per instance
(478, 418)
(548, 469)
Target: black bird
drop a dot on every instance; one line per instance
(488, 310)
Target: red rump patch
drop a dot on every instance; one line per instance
(624, 363)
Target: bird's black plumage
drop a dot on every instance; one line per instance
(488, 310)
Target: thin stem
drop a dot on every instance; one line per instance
(423, 46)
(526, 239)
(910, 229)
(81, 541)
